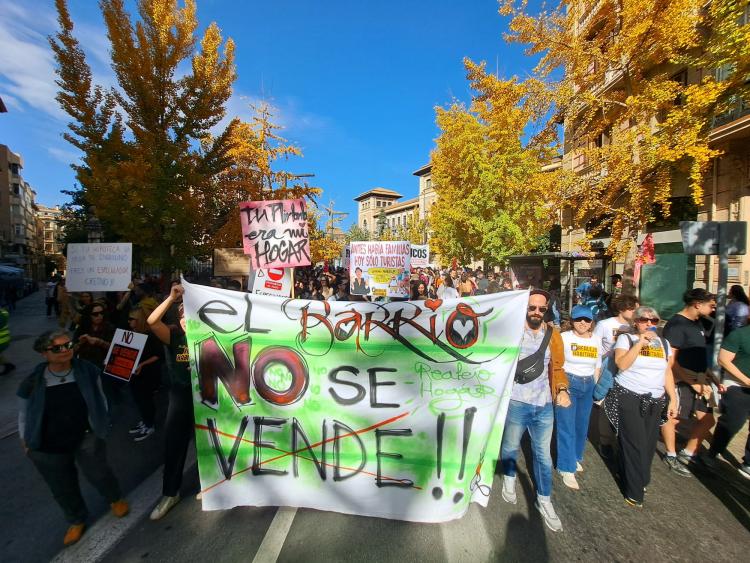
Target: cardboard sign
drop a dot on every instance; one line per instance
(230, 262)
(295, 406)
(99, 266)
(274, 281)
(275, 234)
(124, 354)
(420, 255)
(380, 269)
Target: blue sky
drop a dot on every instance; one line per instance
(354, 83)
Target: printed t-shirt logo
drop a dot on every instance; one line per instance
(652, 352)
(581, 351)
(182, 355)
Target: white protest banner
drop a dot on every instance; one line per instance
(104, 266)
(275, 233)
(380, 269)
(392, 410)
(274, 281)
(420, 255)
(124, 354)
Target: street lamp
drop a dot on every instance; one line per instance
(94, 229)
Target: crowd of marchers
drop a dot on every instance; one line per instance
(610, 357)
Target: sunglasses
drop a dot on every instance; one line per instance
(97, 313)
(648, 320)
(582, 320)
(533, 308)
(57, 348)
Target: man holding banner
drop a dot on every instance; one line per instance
(539, 381)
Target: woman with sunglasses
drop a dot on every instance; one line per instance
(63, 422)
(147, 376)
(583, 360)
(93, 338)
(635, 404)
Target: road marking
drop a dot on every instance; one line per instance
(109, 530)
(273, 541)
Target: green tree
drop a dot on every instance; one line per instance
(357, 233)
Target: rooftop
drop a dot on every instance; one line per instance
(383, 192)
(401, 205)
(426, 169)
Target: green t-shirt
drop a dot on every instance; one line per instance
(738, 342)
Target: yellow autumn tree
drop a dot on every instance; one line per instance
(254, 151)
(142, 166)
(493, 200)
(414, 230)
(636, 84)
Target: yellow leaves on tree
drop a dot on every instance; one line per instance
(493, 198)
(637, 83)
(254, 149)
(142, 166)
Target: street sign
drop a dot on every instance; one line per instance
(705, 237)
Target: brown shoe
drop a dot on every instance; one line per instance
(73, 534)
(120, 508)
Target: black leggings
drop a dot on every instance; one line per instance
(637, 435)
(735, 412)
(179, 430)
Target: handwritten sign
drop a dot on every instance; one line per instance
(275, 233)
(392, 410)
(99, 266)
(420, 255)
(379, 269)
(124, 354)
(274, 281)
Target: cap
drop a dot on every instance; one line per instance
(582, 311)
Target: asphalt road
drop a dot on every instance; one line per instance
(703, 518)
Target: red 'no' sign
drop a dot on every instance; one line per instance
(276, 273)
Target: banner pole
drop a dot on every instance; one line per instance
(293, 285)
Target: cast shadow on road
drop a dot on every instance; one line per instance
(728, 487)
(525, 535)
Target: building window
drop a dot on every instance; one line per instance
(17, 189)
(18, 230)
(428, 184)
(14, 168)
(364, 224)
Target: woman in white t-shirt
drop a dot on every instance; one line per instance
(636, 402)
(446, 289)
(583, 360)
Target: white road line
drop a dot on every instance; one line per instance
(273, 541)
(107, 532)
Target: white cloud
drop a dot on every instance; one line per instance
(64, 156)
(287, 114)
(27, 66)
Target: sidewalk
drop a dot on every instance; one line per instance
(32, 524)
(28, 321)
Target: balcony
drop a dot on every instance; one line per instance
(732, 124)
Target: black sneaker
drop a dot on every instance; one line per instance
(8, 368)
(708, 460)
(676, 467)
(744, 470)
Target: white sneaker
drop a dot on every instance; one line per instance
(165, 505)
(570, 480)
(199, 496)
(509, 490)
(579, 467)
(549, 515)
(145, 433)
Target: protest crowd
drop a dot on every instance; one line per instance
(640, 377)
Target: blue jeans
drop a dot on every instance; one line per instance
(573, 422)
(538, 421)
